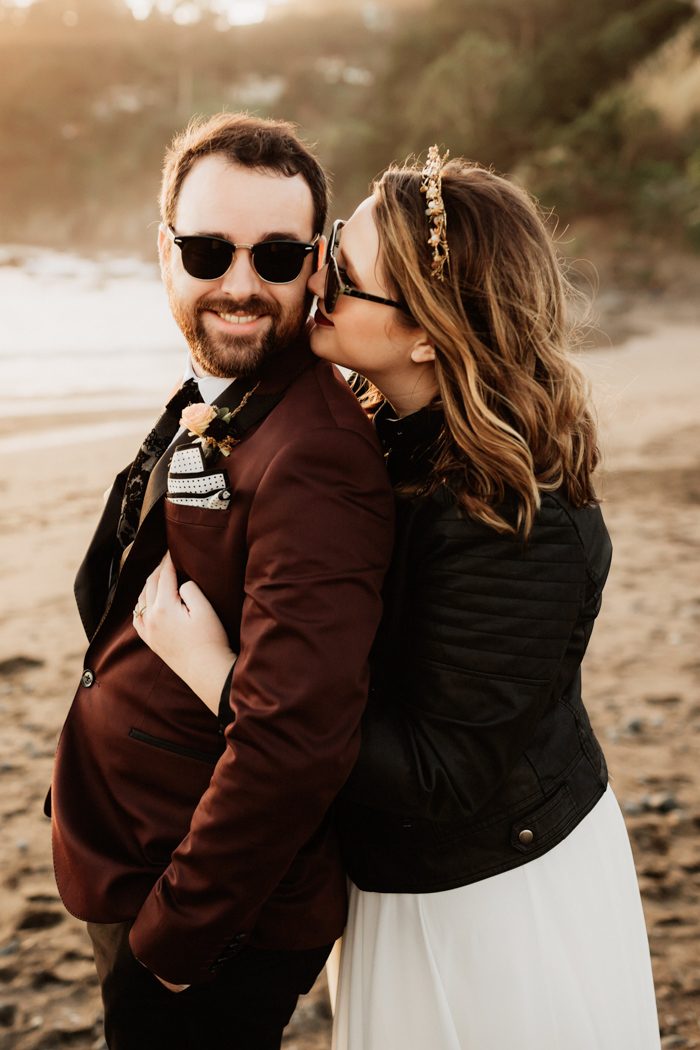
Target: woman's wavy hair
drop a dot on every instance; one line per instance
(517, 415)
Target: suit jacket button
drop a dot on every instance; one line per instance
(525, 836)
(87, 679)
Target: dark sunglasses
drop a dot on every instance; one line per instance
(209, 258)
(336, 283)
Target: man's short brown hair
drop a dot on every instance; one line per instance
(252, 142)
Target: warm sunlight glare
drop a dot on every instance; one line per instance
(245, 12)
(185, 12)
(236, 12)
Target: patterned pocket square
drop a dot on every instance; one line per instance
(190, 485)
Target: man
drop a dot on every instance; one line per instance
(200, 850)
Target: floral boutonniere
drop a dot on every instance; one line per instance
(211, 424)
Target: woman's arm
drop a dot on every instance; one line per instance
(181, 627)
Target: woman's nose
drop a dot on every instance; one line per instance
(317, 281)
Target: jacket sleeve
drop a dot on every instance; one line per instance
(493, 630)
(319, 541)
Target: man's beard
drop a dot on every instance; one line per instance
(231, 356)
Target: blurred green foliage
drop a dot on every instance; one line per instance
(538, 88)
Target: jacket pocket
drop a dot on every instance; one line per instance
(176, 749)
(194, 513)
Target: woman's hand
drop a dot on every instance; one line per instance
(181, 627)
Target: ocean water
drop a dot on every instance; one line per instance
(82, 335)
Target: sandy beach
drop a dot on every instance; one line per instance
(641, 677)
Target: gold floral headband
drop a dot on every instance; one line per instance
(431, 186)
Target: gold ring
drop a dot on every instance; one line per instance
(139, 610)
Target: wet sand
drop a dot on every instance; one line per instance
(641, 677)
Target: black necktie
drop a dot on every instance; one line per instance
(153, 447)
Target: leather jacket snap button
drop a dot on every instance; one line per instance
(525, 836)
(87, 678)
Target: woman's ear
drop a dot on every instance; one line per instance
(422, 350)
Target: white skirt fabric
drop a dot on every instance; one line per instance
(552, 955)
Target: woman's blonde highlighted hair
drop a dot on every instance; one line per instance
(517, 416)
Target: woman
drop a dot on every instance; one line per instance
(493, 895)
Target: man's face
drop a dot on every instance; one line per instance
(233, 323)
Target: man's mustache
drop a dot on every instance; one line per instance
(254, 304)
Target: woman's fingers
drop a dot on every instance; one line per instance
(193, 597)
(150, 591)
(181, 626)
(149, 594)
(138, 619)
(167, 590)
(139, 609)
(205, 625)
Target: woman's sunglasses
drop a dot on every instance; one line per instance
(274, 261)
(336, 283)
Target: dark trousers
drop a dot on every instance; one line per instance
(245, 1007)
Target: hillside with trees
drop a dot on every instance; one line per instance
(595, 107)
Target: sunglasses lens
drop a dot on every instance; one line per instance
(331, 289)
(206, 259)
(279, 262)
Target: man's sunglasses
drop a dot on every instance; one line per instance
(336, 279)
(274, 261)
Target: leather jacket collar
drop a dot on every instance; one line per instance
(410, 444)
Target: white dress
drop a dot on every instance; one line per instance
(552, 955)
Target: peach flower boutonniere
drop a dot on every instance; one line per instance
(213, 426)
(197, 418)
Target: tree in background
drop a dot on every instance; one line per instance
(504, 78)
(544, 89)
(540, 89)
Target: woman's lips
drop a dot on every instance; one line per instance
(321, 320)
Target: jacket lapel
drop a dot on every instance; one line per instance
(274, 377)
(92, 581)
(158, 481)
(93, 584)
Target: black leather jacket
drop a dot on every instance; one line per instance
(477, 753)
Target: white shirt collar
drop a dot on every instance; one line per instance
(209, 386)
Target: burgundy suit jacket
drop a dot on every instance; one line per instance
(209, 841)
